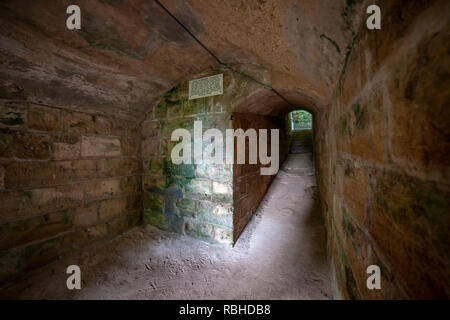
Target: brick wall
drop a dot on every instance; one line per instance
(383, 168)
(200, 200)
(67, 179)
(192, 199)
(248, 183)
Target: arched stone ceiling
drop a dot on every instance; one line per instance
(129, 52)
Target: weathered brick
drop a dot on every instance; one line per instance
(7, 145)
(83, 170)
(214, 172)
(221, 188)
(112, 167)
(200, 230)
(174, 111)
(187, 206)
(13, 114)
(352, 78)
(129, 146)
(42, 118)
(152, 166)
(150, 129)
(32, 145)
(154, 183)
(150, 147)
(11, 205)
(130, 185)
(102, 189)
(51, 199)
(169, 126)
(74, 241)
(66, 147)
(117, 225)
(38, 254)
(9, 264)
(355, 191)
(361, 128)
(153, 202)
(97, 232)
(193, 107)
(134, 218)
(86, 216)
(199, 187)
(32, 174)
(85, 123)
(360, 254)
(112, 208)
(2, 177)
(92, 146)
(382, 43)
(37, 228)
(122, 127)
(418, 90)
(215, 213)
(134, 202)
(409, 223)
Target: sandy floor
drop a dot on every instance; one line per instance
(280, 255)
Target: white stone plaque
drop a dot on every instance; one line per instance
(206, 87)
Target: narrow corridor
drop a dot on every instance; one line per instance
(280, 255)
(301, 141)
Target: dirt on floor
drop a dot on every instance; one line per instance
(280, 255)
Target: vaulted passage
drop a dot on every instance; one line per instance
(356, 121)
(147, 263)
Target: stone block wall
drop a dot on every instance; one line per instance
(192, 199)
(207, 201)
(384, 165)
(67, 179)
(248, 183)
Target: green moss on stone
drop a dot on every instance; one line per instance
(177, 175)
(10, 261)
(32, 249)
(12, 119)
(28, 194)
(348, 53)
(38, 114)
(186, 205)
(155, 164)
(78, 124)
(66, 216)
(223, 198)
(352, 287)
(152, 202)
(356, 110)
(161, 110)
(197, 106)
(347, 224)
(156, 219)
(198, 231)
(381, 202)
(349, 7)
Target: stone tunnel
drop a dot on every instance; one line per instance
(86, 118)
